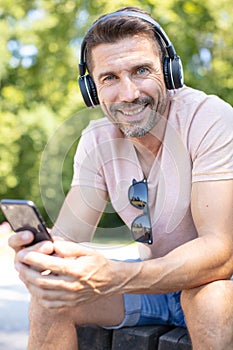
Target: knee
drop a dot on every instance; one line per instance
(39, 313)
(213, 300)
(209, 315)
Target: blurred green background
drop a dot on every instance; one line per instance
(41, 110)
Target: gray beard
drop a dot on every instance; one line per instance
(137, 130)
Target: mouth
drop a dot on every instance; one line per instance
(134, 113)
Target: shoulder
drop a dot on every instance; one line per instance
(193, 107)
(187, 99)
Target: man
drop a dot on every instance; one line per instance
(164, 156)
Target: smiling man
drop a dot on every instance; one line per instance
(163, 154)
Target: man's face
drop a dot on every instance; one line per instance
(130, 84)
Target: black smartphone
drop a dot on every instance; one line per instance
(23, 215)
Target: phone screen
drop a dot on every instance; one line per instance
(20, 216)
(23, 215)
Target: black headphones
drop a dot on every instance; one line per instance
(172, 65)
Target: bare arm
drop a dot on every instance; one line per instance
(90, 275)
(202, 260)
(80, 214)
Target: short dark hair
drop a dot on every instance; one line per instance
(113, 29)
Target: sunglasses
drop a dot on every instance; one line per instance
(141, 226)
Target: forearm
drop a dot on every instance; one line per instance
(80, 274)
(74, 234)
(193, 264)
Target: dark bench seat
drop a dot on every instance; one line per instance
(134, 338)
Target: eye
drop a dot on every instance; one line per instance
(109, 78)
(142, 71)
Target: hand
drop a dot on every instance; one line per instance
(19, 240)
(78, 274)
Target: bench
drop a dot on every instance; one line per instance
(134, 338)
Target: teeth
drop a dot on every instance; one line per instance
(135, 111)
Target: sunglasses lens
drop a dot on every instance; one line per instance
(141, 229)
(138, 195)
(141, 226)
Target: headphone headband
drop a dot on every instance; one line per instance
(173, 72)
(159, 30)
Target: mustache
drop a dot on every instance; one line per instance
(141, 101)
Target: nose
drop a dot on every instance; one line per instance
(128, 90)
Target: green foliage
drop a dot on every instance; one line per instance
(41, 110)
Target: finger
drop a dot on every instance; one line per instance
(43, 262)
(19, 268)
(60, 299)
(54, 295)
(53, 284)
(18, 240)
(45, 247)
(29, 275)
(71, 249)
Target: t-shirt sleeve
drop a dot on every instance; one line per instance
(211, 144)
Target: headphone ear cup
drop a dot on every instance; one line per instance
(173, 72)
(88, 90)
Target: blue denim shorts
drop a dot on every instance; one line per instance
(148, 309)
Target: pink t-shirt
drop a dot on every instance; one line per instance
(197, 146)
